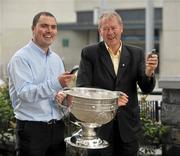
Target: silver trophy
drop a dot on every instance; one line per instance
(92, 108)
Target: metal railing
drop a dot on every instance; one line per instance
(150, 105)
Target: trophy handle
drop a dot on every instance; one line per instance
(76, 123)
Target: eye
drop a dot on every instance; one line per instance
(54, 27)
(43, 25)
(105, 29)
(114, 28)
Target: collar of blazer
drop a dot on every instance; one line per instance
(106, 60)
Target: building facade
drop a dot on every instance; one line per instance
(77, 24)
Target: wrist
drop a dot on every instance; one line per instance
(149, 74)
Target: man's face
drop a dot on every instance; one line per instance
(45, 31)
(111, 31)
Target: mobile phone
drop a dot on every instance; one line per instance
(152, 52)
(74, 69)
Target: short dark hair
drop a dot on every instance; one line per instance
(38, 15)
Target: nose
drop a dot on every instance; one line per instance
(110, 30)
(49, 28)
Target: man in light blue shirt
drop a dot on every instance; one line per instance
(36, 74)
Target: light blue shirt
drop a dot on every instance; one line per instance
(33, 83)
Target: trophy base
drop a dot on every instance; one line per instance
(95, 143)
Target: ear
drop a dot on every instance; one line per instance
(122, 28)
(32, 28)
(99, 30)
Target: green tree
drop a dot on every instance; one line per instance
(7, 120)
(153, 131)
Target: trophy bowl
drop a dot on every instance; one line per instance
(91, 108)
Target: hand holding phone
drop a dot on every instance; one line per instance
(151, 63)
(152, 53)
(74, 69)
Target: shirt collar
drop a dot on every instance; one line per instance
(38, 49)
(111, 52)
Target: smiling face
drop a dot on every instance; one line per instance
(110, 30)
(45, 31)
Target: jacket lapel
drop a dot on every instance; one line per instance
(124, 61)
(106, 60)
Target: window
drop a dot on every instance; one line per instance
(65, 42)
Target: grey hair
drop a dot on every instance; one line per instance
(109, 15)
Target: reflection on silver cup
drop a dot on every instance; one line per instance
(92, 108)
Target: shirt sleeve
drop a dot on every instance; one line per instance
(21, 76)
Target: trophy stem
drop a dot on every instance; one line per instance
(86, 138)
(88, 132)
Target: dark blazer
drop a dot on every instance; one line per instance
(96, 70)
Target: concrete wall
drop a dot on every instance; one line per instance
(0, 39)
(170, 53)
(113, 4)
(77, 40)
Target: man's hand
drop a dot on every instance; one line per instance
(60, 97)
(151, 64)
(65, 79)
(123, 99)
